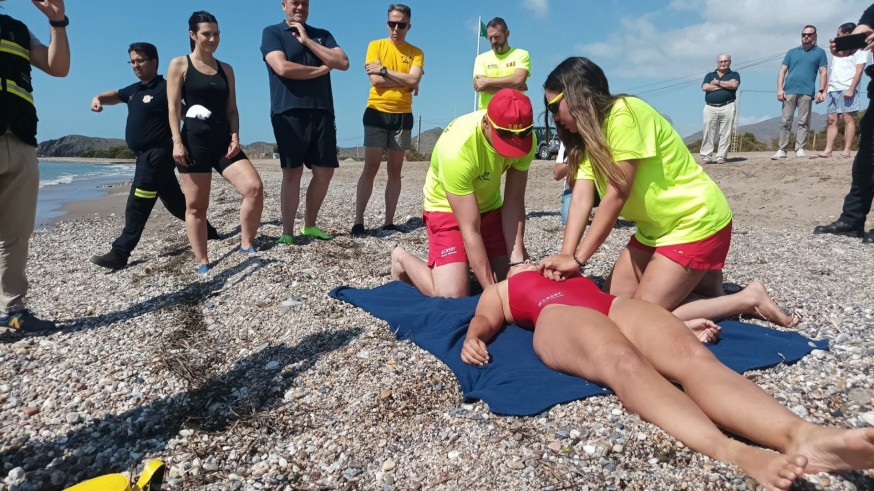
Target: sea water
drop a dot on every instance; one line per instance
(61, 183)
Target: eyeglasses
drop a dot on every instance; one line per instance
(552, 106)
(397, 25)
(808, 34)
(141, 61)
(510, 133)
(724, 61)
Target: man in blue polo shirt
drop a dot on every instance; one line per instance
(299, 61)
(796, 88)
(148, 134)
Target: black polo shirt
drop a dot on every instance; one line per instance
(148, 125)
(723, 95)
(288, 94)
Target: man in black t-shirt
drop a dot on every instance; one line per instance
(719, 87)
(148, 134)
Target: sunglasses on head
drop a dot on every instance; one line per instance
(552, 106)
(509, 133)
(399, 25)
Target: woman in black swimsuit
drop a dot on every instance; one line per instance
(201, 92)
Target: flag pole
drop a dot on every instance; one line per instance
(479, 23)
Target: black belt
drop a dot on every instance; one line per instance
(720, 104)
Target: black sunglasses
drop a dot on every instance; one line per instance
(400, 25)
(552, 106)
(808, 34)
(510, 133)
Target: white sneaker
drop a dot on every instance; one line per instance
(799, 154)
(781, 154)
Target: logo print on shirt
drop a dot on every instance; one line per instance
(485, 177)
(147, 99)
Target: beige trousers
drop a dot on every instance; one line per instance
(718, 123)
(19, 185)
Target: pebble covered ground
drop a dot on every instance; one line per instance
(253, 378)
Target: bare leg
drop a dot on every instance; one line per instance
(831, 133)
(732, 401)
(849, 132)
(449, 280)
(289, 197)
(245, 179)
(711, 284)
(666, 283)
(372, 158)
(752, 300)
(585, 343)
(393, 186)
(316, 192)
(627, 272)
(196, 187)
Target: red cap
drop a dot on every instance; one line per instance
(510, 109)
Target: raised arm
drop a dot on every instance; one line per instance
(513, 214)
(53, 59)
(108, 98)
(485, 325)
(232, 113)
(175, 77)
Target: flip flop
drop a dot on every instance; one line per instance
(315, 232)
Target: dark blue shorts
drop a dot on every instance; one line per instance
(306, 137)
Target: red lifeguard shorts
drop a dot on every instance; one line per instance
(445, 244)
(707, 253)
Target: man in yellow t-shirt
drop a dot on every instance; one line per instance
(470, 226)
(395, 68)
(501, 68)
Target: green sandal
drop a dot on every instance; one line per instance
(285, 240)
(314, 232)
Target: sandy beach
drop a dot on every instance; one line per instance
(253, 378)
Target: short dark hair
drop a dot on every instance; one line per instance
(404, 9)
(197, 18)
(808, 26)
(847, 27)
(498, 22)
(147, 50)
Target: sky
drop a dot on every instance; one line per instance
(659, 50)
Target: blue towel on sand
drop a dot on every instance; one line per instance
(516, 382)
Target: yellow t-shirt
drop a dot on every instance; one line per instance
(672, 200)
(463, 162)
(394, 100)
(493, 66)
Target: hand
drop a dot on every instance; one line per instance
(373, 67)
(849, 94)
(820, 96)
(559, 267)
(705, 330)
(480, 82)
(53, 9)
(299, 31)
(180, 154)
(781, 96)
(474, 352)
(233, 148)
(523, 87)
(96, 106)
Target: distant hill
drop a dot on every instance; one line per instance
(76, 145)
(767, 130)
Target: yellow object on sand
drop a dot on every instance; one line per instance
(150, 480)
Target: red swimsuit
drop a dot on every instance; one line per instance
(530, 293)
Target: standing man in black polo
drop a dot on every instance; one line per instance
(19, 171)
(299, 60)
(148, 134)
(720, 87)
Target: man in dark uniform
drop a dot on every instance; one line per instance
(148, 135)
(19, 174)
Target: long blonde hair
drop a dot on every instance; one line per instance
(589, 101)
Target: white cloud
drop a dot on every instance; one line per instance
(540, 8)
(749, 30)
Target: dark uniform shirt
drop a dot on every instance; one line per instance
(148, 125)
(721, 96)
(288, 94)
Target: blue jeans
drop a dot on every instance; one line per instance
(565, 205)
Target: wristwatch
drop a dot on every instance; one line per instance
(60, 23)
(383, 71)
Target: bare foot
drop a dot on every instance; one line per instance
(823, 155)
(835, 449)
(763, 306)
(846, 155)
(704, 329)
(773, 471)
